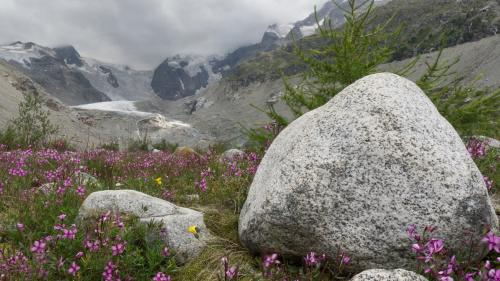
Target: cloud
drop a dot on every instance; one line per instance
(142, 33)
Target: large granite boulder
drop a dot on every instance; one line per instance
(388, 275)
(176, 220)
(357, 171)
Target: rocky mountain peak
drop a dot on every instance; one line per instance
(276, 32)
(181, 76)
(69, 55)
(50, 69)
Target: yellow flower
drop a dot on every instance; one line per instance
(193, 229)
(158, 181)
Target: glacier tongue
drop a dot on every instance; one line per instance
(127, 107)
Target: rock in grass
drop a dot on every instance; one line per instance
(357, 171)
(388, 275)
(81, 179)
(490, 142)
(232, 154)
(185, 151)
(176, 220)
(86, 179)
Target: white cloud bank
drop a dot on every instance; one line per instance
(142, 33)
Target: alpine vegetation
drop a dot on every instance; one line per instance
(359, 143)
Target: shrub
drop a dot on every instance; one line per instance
(9, 138)
(32, 127)
(353, 52)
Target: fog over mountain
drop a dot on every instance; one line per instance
(143, 33)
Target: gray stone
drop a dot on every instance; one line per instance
(193, 197)
(232, 154)
(495, 199)
(388, 275)
(86, 179)
(176, 220)
(490, 142)
(81, 179)
(48, 188)
(357, 171)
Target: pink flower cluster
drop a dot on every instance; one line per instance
(312, 259)
(202, 184)
(111, 272)
(432, 253)
(160, 276)
(230, 272)
(476, 148)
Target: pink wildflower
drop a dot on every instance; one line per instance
(493, 241)
(118, 249)
(160, 276)
(73, 269)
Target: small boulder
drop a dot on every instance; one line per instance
(193, 197)
(232, 154)
(80, 177)
(185, 151)
(354, 173)
(86, 179)
(48, 188)
(490, 142)
(388, 275)
(176, 220)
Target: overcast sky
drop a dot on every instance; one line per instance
(142, 33)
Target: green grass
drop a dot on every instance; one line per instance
(221, 203)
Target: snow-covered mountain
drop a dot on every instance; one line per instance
(76, 80)
(118, 82)
(45, 67)
(24, 53)
(182, 76)
(276, 32)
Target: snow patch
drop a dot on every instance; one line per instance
(182, 84)
(95, 64)
(193, 65)
(174, 64)
(280, 30)
(309, 30)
